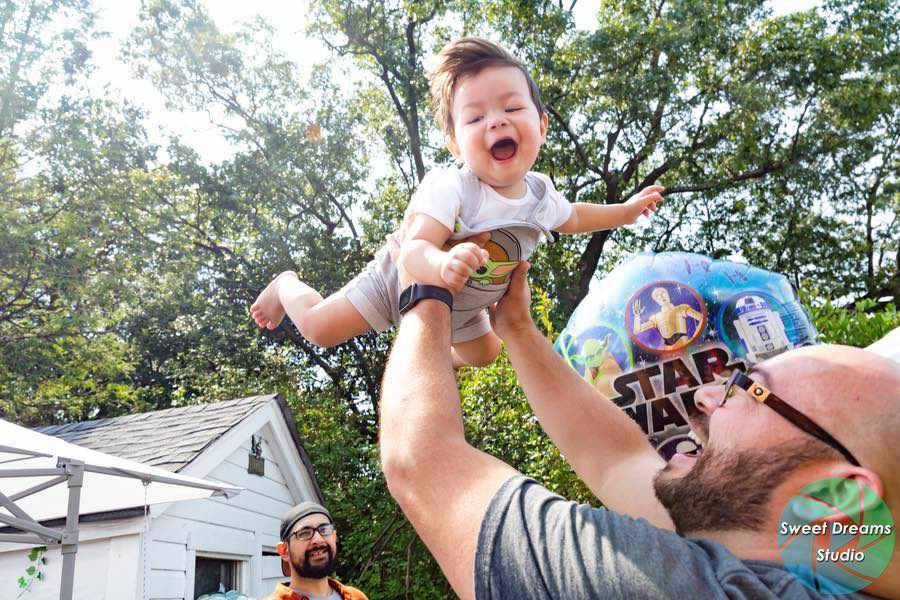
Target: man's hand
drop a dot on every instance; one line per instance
(643, 202)
(513, 312)
(460, 262)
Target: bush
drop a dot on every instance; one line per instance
(859, 324)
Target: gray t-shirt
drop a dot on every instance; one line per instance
(332, 596)
(536, 544)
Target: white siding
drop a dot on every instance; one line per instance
(271, 573)
(236, 529)
(95, 577)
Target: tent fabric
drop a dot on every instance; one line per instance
(100, 492)
(888, 346)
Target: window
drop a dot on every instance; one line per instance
(210, 573)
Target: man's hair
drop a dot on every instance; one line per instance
(465, 57)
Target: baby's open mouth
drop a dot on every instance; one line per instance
(504, 149)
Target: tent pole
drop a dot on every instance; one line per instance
(75, 470)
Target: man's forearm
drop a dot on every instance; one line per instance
(591, 431)
(443, 484)
(419, 393)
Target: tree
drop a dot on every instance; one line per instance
(60, 158)
(709, 99)
(42, 42)
(387, 40)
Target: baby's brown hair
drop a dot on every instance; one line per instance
(464, 57)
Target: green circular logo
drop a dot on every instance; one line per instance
(836, 536)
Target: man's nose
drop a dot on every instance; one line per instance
(707, 397)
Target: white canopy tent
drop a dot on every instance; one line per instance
(889, 345)
(43, 477)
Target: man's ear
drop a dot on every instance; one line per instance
(862, 489)
(858, 475)
(545, 123)
(853, 491)
(282, 549)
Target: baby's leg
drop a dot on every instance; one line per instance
(478, 352)
(324, 322)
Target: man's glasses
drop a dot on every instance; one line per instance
(765, 396)
(305, 534)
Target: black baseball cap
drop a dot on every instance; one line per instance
(304, 509)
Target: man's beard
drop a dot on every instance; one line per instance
(303, 568)
(730, 490)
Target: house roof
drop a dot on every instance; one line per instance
(170, 438)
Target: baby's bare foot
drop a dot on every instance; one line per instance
(267, 310)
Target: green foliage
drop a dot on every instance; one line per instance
(858, 325)
(34, 571)
(63, 260)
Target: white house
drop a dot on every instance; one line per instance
(184, 549)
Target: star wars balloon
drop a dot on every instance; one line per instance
(661, 325)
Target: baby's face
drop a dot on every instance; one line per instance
(497, 129)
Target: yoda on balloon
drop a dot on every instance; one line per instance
(599, 364)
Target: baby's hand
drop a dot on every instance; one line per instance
(460, 262)
(643, 202)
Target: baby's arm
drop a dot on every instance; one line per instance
(421, 255)
(595, 217)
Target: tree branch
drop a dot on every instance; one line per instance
(381, 541)
(415, 141)
(723, 183)
(579, 150)
(611, 139)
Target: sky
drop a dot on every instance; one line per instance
(119, 17)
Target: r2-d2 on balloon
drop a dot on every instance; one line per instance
(760, 329)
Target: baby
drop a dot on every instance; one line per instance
(490, 111)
